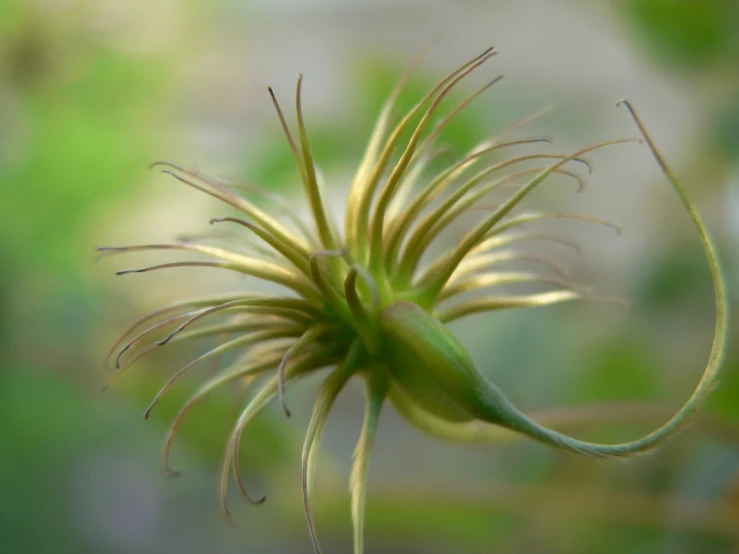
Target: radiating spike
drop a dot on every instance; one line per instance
(361, 221)
(275, 305)
(453, 207)
(388, 190)
(307, 339)
(439, 127)
(283, 209)
(494, 303)
(377, 386)
(441, 182)
(370, 158)
(250, 369)
(226, 195)
(478, 233)
(534, 217)
(500, 240)
(146, 332)
(409, 181)
(214, 329)
(236, 262)
(309, 177)
(254, 338)
(330, 389)
(297, 257)
(301, 367)
(167, 310)
(484, 262)
(495, 279)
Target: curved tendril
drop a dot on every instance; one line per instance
(490, 405)
(146, 332)
(257, 324)
(171, 265)
(260, 400)
(238, 475)
(277, 306)
(561, 418)
(168, 309)
(226, 195)
(237, 370)
(717, 347)
(302, 366)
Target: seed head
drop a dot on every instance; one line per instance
(362, 300)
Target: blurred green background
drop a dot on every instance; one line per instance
(91, 91)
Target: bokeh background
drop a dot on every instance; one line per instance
(91, 91)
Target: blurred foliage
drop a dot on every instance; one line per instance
(625, 364)
(726, 127)
(699, 40)
(79, 125)
(47, 425)
(686, 35)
